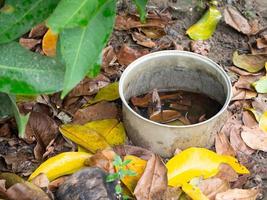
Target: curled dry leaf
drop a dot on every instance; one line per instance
(233, 18)
(38, 31)
(99, 111)
(140, 152)
(102, 159)
(126, 54)
(244, 82)
(255, 138)
(249, 62)
(181, 167)
(242, 94)
(248, 119)
(41, 180)
(227, 173)
(143, 40)
(29, 43)
(238, 194)
(239, 71)
(223, 145)
(260, 103)
(53, 185)
(108, 56)
(212, 186)
(153, 183)
(172, 193)
(49, 43)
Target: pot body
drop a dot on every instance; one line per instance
(172, 70)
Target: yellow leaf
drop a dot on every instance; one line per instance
(263, 122)
(137, 165)
(108, 93)
(205, 27)
(194, 192)
(49, 43)
(61, 164)
(96, 135)
(81, 149)
(197, 162)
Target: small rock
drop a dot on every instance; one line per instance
(87, 184)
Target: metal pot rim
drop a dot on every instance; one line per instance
(135, 63)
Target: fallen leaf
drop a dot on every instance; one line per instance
(206, 26)
(41, 181)
(261, 85)
(233, 18)
(165, 116)
(96, 135)
(227, 173)
(238, 194)
(249, 62)
(108, 56)
(181, 168)
(102, 159)
(53, 185)
(142, 101)
(242, 94)
(256, 113)
(245, 82)
(212, 186)
(143, 40)
(248, 119)
(153, 183)
(127, 55)
(238, 143)
(99, 111)
(255, 138)
(140, 152)
(29, 43)
(61, 164)
(263, 122)
(194, 192)
(223, 146)
(49, 43)
(260, 103)
(129, 22)
(153, 33)
(137, 165)
(201, 47)
(239, 71)
(107, 93)
(38, 31)
(172, 193)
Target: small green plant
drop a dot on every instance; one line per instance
(120, 174)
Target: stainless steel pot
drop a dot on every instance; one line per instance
(173, 70)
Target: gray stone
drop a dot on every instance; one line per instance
(87, 184)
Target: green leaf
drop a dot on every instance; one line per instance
(95, 69)
(71, 14)
(249, 62)
(5, 106)
(20, 119)
(118, 189)
(130, 173)
(261, 85)
(141, 8)
(27, 73)
(18, 16)
(205, 27)
(126, 162)
(112, 177)
(117, 161)
(80, 47)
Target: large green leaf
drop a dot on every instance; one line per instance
(5, 106)
(70, 14)
(18, 16)
(21, 120)
(24, 72)
(80, 47)
(141, 8)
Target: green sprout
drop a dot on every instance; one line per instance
(120, 174)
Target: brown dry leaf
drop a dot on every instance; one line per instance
(237, 142)
(201, 47)
(248, 119)
(153, 183)
(244, 82)
(227, 173)
(102, 159)
(56, 183)
(99, 111)
(126, 54)
(43, 129)
(233, 122)
(172, 193)
(129, 22)
(140, 152)
(108, 56)
(255, 138)
(239, 71)
(29, 43)
(242, 94)
(143, 40)
(238, 194)
(153, 33)
(233, 18)
(38, 31)
(260, 103)
(212, 186)
(223, 145)
(41, 181)
(49, 43)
